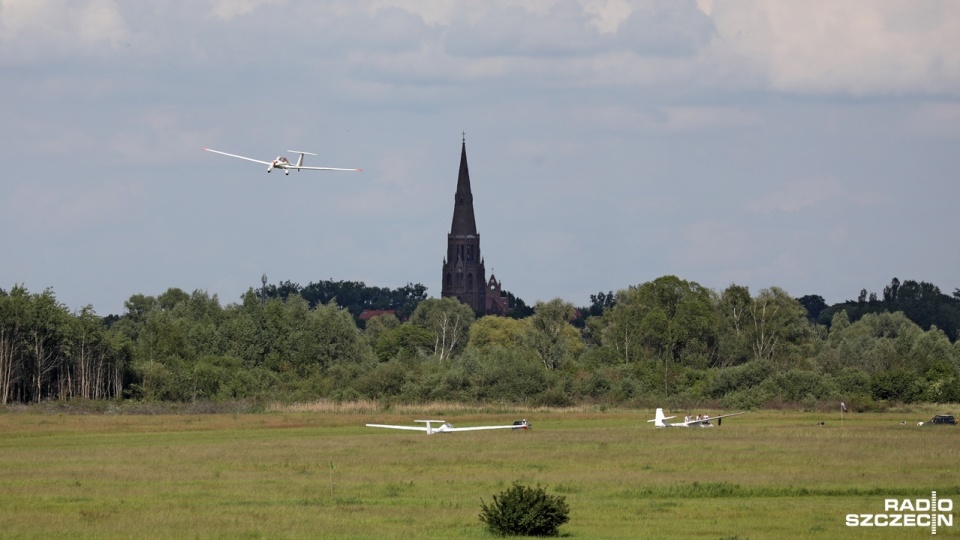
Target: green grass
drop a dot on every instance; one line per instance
(769, 474)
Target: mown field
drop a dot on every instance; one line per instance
(303, 473)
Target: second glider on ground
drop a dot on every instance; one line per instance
(661, 420)
(446, 427)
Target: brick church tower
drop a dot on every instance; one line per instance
(464, 276)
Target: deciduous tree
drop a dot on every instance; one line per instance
(448, 320)
(550, 334)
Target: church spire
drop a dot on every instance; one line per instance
(464, 277)
(464, 222)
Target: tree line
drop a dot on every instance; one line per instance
(668, 340)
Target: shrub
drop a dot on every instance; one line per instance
(895, 384)
(738, 378)
(526, 511)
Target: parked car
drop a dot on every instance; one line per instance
(943, 419)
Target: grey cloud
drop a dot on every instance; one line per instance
(513, 31)
(666, 28)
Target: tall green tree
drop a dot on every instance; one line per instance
(337, 337)
(448, 320)
(492, 332)
(733, 347)
(46, 329)
(550, 335)
(13, 343)
(404, 342)
(376, 326)
(91, 356)
(668, 320)
(779, 325)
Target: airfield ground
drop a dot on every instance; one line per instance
(302, 474)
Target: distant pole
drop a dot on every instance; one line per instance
(263, 290)
(843, 409)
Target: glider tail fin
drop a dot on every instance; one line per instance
(660, 420)
(300, 159)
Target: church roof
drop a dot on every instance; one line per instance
(464, 222)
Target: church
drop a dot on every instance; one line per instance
(464, 275)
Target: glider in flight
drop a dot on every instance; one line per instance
(283, 163)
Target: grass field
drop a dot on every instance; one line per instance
(318, 473)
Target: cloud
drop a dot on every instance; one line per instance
(887, 47)
(30, 28)
(514, 31)
(101, 21)
(701, 118)
(711, 242)
(858, 48)
(65, 210)
(565, 29)
(798, 195)
(666, 28)
(607, 14)
(656, 137)
(807, 193)
(229, 9)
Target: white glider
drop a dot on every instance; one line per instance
(283, 163)
(704, 421)
(447, 427)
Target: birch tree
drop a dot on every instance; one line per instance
(779, 325)
(448, 320)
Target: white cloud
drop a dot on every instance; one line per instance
(607, 14)
(666, 28)
(514, 31)
(820, 47)
(230, 9)
(602, 133)
(858, 48)
(32, 27)
(101, 21)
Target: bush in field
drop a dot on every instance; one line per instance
(738, 378)
(526, 511)
(896, 385)
(505, 375)
(748, 398)
(798, 385)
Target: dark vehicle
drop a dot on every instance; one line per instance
(943, 419)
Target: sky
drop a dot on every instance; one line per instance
(812, 146)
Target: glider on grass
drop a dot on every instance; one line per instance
(284, 163)
(700, 421)
(447, 427)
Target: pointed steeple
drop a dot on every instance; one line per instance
(464, 222)
(464, 277)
